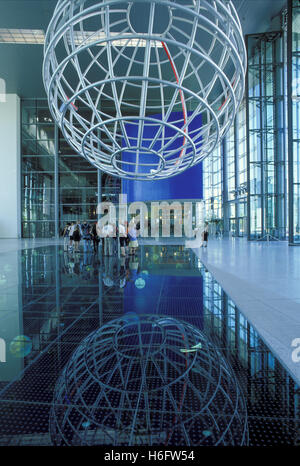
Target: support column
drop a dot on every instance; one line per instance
(236, 175)
(248, 149)
(262, 75)
(56, 184)
(225, 187)
(290, 120)
(99, 191)
(279, 146)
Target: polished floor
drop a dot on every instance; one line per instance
(146, 350)
(263, 279)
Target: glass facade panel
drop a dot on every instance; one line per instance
(294, 118)
(34, 147)
(68, 164)
(76, 189)
(212, 192)
(38, 229)
(37, 164)
(266, 136)
(254, 186)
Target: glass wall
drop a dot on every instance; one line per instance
(78, 186)
(58, 185)
(241, 172)
(266, 143)
(232, 180)
(212, 189)
(254, 178)
(233, 153)
(38, 154)
(293, 74)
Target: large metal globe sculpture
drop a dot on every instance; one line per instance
(148, 380)
(144, 89)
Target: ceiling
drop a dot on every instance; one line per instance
(21, 65)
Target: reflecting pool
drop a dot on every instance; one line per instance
(142, 350)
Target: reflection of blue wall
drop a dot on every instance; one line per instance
(145, 301)
(188, 185)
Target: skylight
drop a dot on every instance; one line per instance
(37, 36)
(22, 36)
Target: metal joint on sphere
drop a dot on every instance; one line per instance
(144, 89)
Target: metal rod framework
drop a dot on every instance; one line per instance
(173, 82)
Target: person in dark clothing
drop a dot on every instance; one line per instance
(86, 236)
(205, 235)
(95, 237)
(122, 238)
(76, 238)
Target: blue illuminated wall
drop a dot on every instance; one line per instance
(188, 185)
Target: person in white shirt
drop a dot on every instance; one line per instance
(107, 234)
(132, 235)
(66, 236)
(122, 238)
(71, 231)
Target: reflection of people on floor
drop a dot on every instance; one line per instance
(66, 263)
(123, 273)
(77, 264)
(71, 266)
(87, 266)
(114, 240)
(87, 258)
(110, 271)
(134, 269)
(66, 236)
(95, 237)
(71, 231)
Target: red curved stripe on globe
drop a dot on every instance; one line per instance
(180, 92)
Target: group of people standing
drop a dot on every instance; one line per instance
(92, 235)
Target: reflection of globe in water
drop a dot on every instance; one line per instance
(148, 380)
(20, 346)
(140, 283)
(144, 90)
(131, 318)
